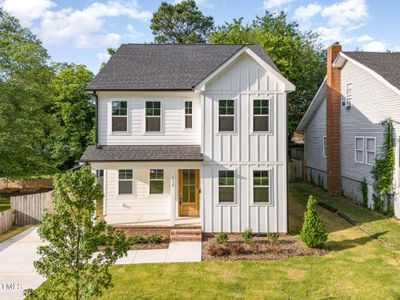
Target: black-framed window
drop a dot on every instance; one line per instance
(227, 115)
(260, 115)
(119, 116)
(226, 190)
(125, 181)
(261, 186)
(153, 116)
(188, 114)
(156, 181)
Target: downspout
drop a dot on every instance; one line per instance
(97, 119)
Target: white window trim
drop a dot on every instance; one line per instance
(355, 149)
(370, 151)
(348, 98)
(324, 146)
(145, 132)
(252, 132)
(269, 203)
(132, 180)
(235, 114)
(127, 132)
(185, 114)
(234, 203)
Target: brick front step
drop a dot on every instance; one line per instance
(186, 234)
(172, 233)
(184, 238)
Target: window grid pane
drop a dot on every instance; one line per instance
(226, 186)
(125, 181)
(261, 107)
(156, 181)
(226, 107)
(188, 107)
(119, 108)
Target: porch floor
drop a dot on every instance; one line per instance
(151, 220)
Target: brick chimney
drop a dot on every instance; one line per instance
(333, 122)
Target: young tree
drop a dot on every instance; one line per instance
(297, 54)
(182, 23)
(79, 249)
(24, 97)
(74, 113)
(313, 231)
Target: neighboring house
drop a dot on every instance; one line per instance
(192, 134)
(343, 125)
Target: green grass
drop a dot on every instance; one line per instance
(13, 232)
(358, 266)
(4, 204)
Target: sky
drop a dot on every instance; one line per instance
(80, 31)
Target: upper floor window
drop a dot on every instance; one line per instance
(188, 114)
(119, 116)
(324, 146)
(260, 115)
(156, 181)
(226, 191)
(349, 95)
(125, 181)
(261, 186)
(370, 149)
(359, 149)
(226, 115)
(153, 116)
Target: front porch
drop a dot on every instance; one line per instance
(151, 220)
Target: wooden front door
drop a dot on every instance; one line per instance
(189, 190)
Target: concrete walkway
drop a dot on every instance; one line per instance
(18, 254)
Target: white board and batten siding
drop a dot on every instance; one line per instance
(244, 151)
(173, 130)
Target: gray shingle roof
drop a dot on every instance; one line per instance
(165, 66)
(386, 64)
(142, 153)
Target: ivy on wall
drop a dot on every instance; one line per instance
(383, 169)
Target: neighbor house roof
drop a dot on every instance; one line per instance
(142, 153)
(166, 66)
(386, 64)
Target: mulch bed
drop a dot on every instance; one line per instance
(162, 245)
(259, 249)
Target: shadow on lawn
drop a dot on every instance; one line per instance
(351, 243)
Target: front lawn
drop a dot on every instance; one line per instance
(358, 266)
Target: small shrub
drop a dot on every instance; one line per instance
(217, 250)
(155, 238)
(235, 248)
(273, 237)
(378, 203)
(247, 235)
(364, 192)
(313, 232)
(222, 238)
(138, 239)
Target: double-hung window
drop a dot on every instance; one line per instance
(125, 181)
(359, 149)
(370, 150)
(226, 115)
(324, 146)
(188, 114)
(157, 181)
(153, 116)
(260, 115)
(226, 190)
(261, 186)
(119, 116)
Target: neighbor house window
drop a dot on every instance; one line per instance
(226, 180)
(153, 116)
(261, 186)
(324, 146)
(260, 115)
(349, 95)
(125, 181)
(370, 149)
(359, 149)
(119, 116)
(226, 115)
(188, 114)
(156, 181)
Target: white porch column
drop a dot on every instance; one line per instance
(173, 194)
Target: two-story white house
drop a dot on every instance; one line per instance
(192, 134)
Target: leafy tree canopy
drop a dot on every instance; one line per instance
(24, 96)
(74, 112)
(182, 23)
(71, 259)
(297, 54)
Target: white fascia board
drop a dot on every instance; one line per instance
(289, 87)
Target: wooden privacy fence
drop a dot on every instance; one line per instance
(6, 220)
(295, 170)
(29, 209)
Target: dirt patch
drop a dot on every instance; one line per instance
(260, 248)
(162, 245)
